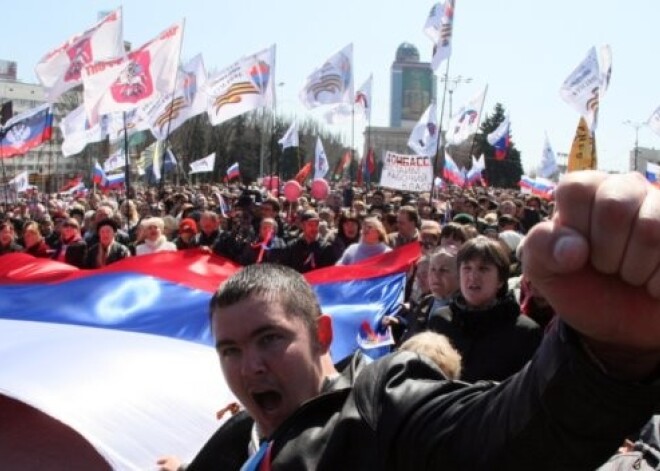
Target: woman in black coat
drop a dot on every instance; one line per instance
(483, 321)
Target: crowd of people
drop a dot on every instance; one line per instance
(470, 304)
(249, 225)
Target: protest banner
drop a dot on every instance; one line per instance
(407, 172)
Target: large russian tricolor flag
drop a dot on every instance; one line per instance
(122, 357)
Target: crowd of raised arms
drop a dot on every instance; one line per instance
(469, 305)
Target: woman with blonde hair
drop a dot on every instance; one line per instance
(34, 242)
(154, 240)
(372, 243)
(438, 349)
(443, 284)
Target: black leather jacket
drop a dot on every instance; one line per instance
(227, 449)
(559, 413)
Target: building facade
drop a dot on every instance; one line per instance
(45, 164)
(640, 156)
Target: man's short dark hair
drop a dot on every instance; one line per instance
(412, 214)
(273, 202)
(275, 283)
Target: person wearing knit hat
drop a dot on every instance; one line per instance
(512, 239)
(188, 225)
(187, 238)
(107, 250)
(153, 238)
(463, 218)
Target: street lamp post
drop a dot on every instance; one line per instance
(451, 84)
(266, 143)
(635, 125)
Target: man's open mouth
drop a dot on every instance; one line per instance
(268, 401)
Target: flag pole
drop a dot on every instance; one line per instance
(169, 117)
(57, 164)
(273, 146)
(298, 157)
(271, 137)
(369, 134)
(440, 149)
(50, 183)
(170, 112)
(352, 136)
(127, 169)
(3, 132)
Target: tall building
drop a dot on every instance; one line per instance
(412, 89)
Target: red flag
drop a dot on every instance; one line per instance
(371, 161)
(341, 165)
(345, 160)
(75, 181)
(304, 173)
(360, 170)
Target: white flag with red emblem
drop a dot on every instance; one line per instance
(60, 69)
(126, 83)
(244, 86)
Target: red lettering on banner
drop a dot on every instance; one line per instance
(169, 32)
(98, 67)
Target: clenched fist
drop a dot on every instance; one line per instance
(598, 264)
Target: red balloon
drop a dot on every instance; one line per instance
(320, 189)
(292, 191)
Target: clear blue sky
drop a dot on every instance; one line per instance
(522, 49)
